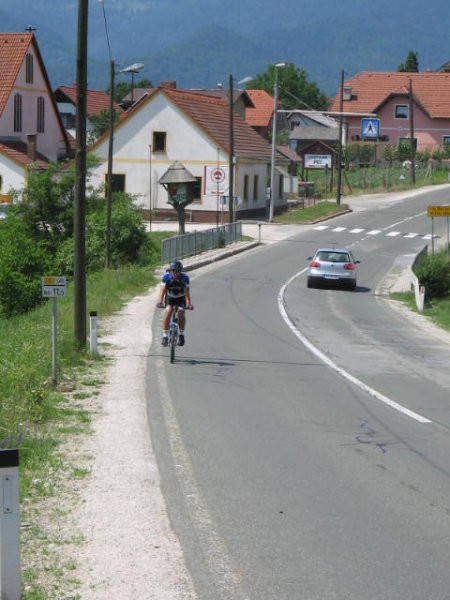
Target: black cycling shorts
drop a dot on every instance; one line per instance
(176, 301)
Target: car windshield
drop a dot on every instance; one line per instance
(339, 257)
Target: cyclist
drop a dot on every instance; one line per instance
(174, 292)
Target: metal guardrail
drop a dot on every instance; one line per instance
(196, 242)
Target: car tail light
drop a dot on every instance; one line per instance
(349, 266)
(315, 264)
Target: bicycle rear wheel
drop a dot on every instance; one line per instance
(173, 343)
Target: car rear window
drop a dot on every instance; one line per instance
(341, 257)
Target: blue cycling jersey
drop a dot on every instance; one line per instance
(175, 288)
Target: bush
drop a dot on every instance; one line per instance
(22, 264)
(128, 237)
(434, 273)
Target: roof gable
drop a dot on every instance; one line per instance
(261, 113)
(370, 90)
(212, 116)
(13, 49)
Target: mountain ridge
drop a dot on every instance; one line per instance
(199, 42)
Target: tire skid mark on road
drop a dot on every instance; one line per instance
(324, 358)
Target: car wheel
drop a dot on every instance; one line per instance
(309, 283)
(352, 286)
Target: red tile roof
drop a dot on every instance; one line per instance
(213, 116)
(18, 152)
(261, 114)
(96, 101)
(371, 90)
(13, 48)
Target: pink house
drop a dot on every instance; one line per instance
(378, 108)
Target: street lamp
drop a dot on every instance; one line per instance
(278, 66)
(133, 69)
(231, 166)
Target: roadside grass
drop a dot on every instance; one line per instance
(438, 310)
(40, 418)
(318, 211)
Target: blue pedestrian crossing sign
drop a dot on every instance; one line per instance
(370, 129)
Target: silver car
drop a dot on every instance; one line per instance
(332, 266)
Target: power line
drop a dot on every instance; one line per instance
(102, 2)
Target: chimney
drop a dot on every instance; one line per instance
(31, 146)
(169, 85)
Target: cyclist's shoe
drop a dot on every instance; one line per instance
(165, 341)
(181, 340)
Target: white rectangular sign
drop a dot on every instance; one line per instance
(216, 181)
(53, 287)
(317, 161)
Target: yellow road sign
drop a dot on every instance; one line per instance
(439, 211)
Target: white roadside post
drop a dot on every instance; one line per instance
(10, 581)
(54, 287)
(93, 332)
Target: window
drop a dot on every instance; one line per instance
(159, 141)
(255, 187)
(17, 112)
(29, 68)
(197, 187)
(446, 140)
(406, 142)
(245, 187)
(40, 114)
(401, 111)
(117, 183)
(1, 181)
(280, 186)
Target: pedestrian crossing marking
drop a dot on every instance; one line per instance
(374, 232)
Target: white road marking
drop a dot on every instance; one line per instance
(339, 229)
(411, 235)
(374, 232)
(325, 359)
(321, 227)
(357, 230)
(393, 233)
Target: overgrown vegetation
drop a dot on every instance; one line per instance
(433, 272)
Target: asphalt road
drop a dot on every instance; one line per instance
(303, 435)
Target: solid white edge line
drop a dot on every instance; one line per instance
(324, 358)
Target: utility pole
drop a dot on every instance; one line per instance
(110, 164)
(411, 133)
(339, 157)
(80, 179)
(231, 167)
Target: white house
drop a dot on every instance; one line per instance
(170, 125)
(31, 131)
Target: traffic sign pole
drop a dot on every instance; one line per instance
(54, 331)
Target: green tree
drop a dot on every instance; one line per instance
(294, 88)
(122, 88)
(100, 123)
(411, 65)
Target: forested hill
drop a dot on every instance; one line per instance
(199, 42)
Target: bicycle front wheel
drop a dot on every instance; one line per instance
(173, 343)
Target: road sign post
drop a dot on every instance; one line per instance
(54, 287)
(438, 211)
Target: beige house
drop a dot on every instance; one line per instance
(31, 132)
(193, 128)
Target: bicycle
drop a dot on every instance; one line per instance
(174, 330)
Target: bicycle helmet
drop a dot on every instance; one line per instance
(176, 266)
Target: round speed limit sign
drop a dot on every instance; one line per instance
(217, 175)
